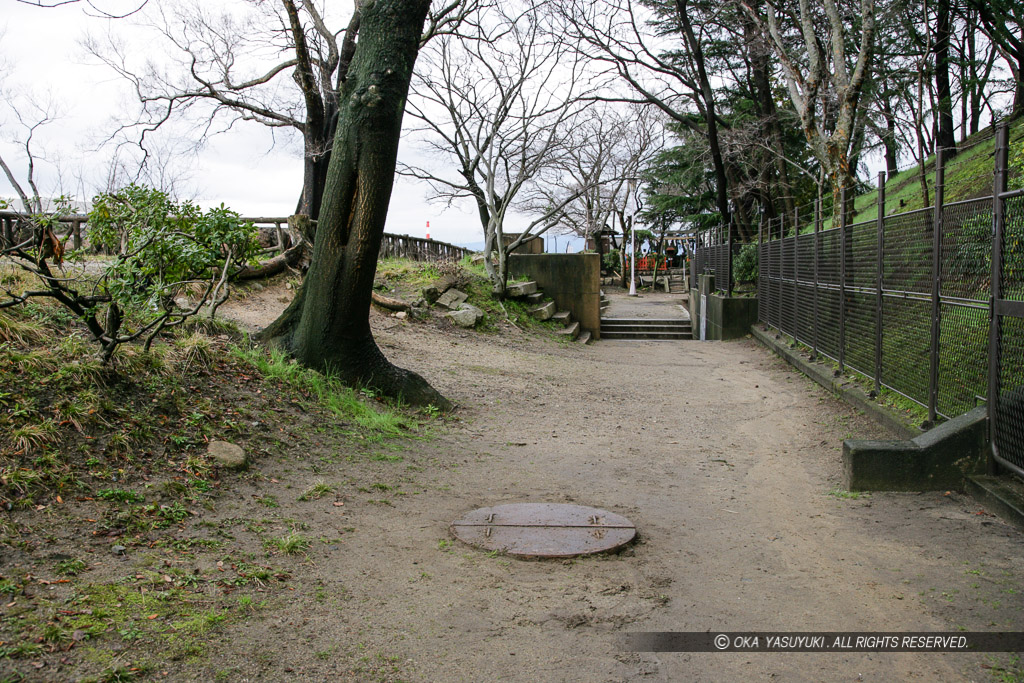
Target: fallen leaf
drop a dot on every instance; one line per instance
(152, 616)
(338, 503)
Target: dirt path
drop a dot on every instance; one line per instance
(722, 456)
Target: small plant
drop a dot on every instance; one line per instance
(292, 544)
(120, 495)
(197, 351)
(30, 437)
(162, 250)
(70, 567)
(317, 490)
(837, 492)
(131, 632)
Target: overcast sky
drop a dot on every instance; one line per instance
(40, 53)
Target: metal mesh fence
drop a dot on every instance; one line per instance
(828, 293)
(921, 312)
(1007, 413)
(860, 287)
(712, 258)
(805, 286)
(965, 282)
(834, 306)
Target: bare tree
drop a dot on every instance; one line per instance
(499, 108)
(608, 148)
(825, 83)
(658, 49)
(28, 115)
(280, 64)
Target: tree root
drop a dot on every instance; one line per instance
(389, 303)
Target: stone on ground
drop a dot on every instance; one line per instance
(466, 316)
(227, 455)
(452, 299)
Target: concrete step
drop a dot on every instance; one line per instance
(646, 328)
(646, 336)
(536, 298)
(563, 317)
(520, 290)
(544, 311)
(645, 322)
(572, 331)
(584, 337)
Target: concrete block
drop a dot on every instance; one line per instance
(452, 299)
(564, 317)
(941, 458)
(544, 311)
(572, 331)
(572, 280)
(518, 290)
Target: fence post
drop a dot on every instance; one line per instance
(761, 303)
(796, 274)
(728, 263)
(842, 280)
(933, 355)
(880, 229)
(998, 226)
(817, 241)
(775, 272)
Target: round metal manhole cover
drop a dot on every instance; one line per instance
(544, 529)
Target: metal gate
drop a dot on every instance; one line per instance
(1006, 341)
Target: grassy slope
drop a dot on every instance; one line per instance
(968, 176)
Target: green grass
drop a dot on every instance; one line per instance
(316, 490)
(290, 544)
(416, 274)
(968, 175)
(379, 419)
(842, 494)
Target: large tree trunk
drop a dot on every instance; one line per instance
(946, 136)
(759, 51)
(706, 102)
(327, 327)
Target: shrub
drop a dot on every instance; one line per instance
(744, 264)
(161, 250)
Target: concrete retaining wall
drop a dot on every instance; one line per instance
(573, 281)
(727, 317)
(941, 458)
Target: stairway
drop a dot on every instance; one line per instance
(677, 280)
(545, 309)
(665, 329)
